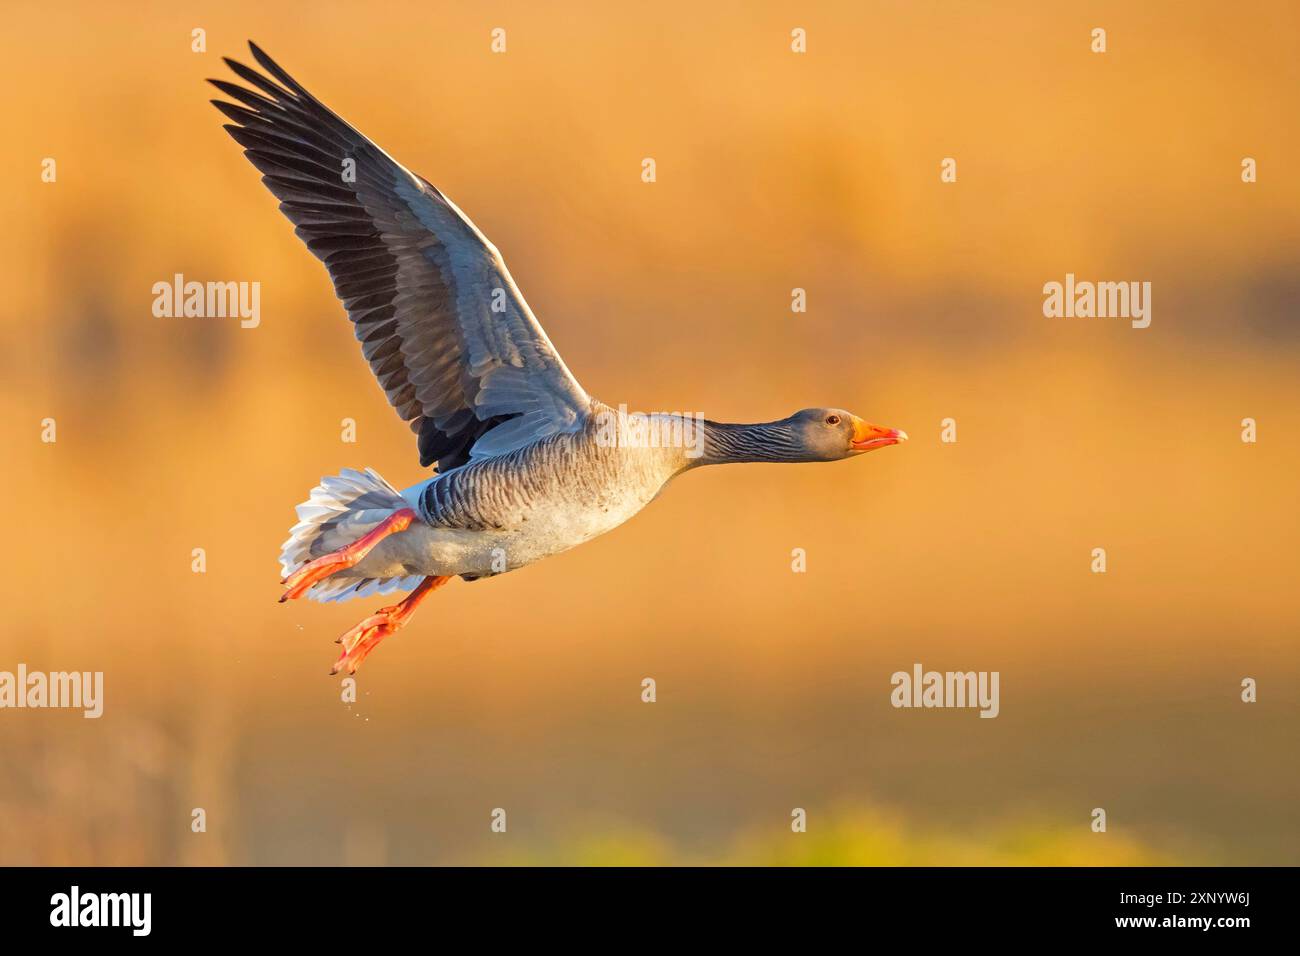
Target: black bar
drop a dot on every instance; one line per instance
(299, 904)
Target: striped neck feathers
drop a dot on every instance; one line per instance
(767, 441)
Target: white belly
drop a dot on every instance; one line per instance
(547, 525)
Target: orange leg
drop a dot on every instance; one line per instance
(301, 580)
(365, 637)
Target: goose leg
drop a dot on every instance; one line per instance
(348, 556)
(365, 637)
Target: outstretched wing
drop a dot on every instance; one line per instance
(442, 324)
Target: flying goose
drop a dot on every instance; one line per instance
(526, 463)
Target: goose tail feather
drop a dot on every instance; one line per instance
(341, 509)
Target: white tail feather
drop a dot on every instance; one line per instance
(341, 509)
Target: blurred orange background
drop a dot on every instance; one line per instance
(775, 170)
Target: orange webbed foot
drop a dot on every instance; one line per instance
(364, 638)
(360, 640)
(301, 580)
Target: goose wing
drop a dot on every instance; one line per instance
(455, 347)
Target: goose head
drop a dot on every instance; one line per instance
(830, 434)
(813, 434)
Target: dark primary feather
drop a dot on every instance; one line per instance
(440, 321)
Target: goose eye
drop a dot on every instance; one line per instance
(832, 419)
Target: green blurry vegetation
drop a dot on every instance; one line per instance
(850, 837)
